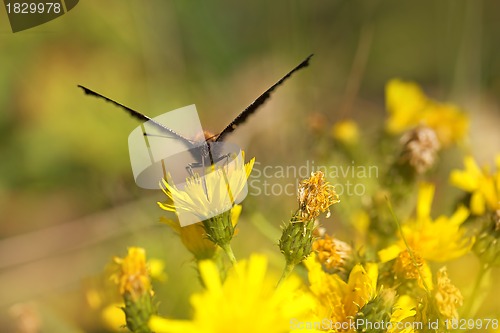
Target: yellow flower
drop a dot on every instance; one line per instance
(114, 318)
(157, 269)
(134, 282)
(439, 240)
(132, 276)
(408, 107)
(337, 300)
(211, 195)
(315, 196)
(194, 237)
(247, 301)
(482, 184)
(346, 131)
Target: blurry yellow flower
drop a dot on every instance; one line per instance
(114, 317)
(210, 195)
(361, 221)
(482, 184)
(157, 269)
(134, 283)
(448, 297)
(346, 131)
(194, 237)
(247, 301)
(408, 107)
(132, 276)
(439, 240)
(337, 300)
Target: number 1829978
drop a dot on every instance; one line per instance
(32, 8)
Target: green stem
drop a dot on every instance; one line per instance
(466, 312)
(229, 252)
(286, 272)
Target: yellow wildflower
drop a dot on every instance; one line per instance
(134, 282)
(247, 301)
(133, 277)
(339, 301)
(346, 131)
(211, 195)
(483, 185)
(194, 237)
(408, 107)
(315, 196)
(439, 240)
(114, 318)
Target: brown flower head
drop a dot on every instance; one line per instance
(315, 196)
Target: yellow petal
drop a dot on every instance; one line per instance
(210, 275)
(459, 217)
(463, 180)
(162, 325)
(235, 214)
(113, 316)
(477, 203)
(389, 253)
(425, 196)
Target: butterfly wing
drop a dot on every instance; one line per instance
(140, 116)
(240, 119)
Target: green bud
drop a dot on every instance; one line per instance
(220, 229)
(376, 311)
(296, 241)
(138, 312)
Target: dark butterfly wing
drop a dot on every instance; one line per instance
(258, 102)
(139, 116)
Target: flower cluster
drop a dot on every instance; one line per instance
(382, 266)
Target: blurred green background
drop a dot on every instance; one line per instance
(68, 201)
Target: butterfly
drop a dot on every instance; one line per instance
(208, 151)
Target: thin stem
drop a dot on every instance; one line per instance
(229, 252)
(466, 312)
(286, 272)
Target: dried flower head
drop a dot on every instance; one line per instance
(133, 277)
(331, 252)
(448, 297)
(412, 266)
(406, 267)
(420, 147)
(315, 196)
